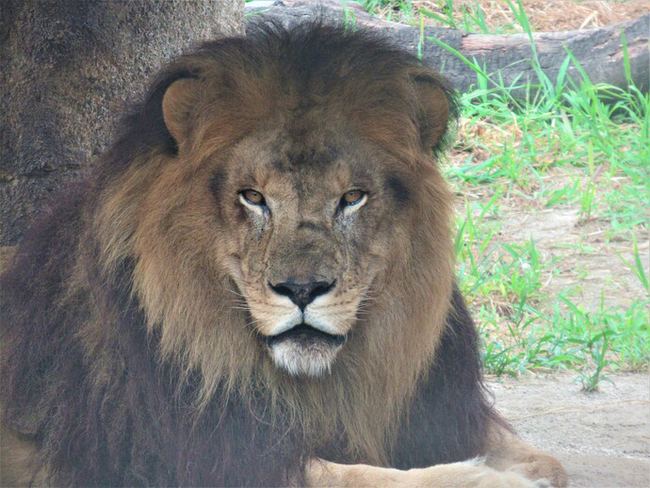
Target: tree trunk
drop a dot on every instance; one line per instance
(599, 51)
(67, 69)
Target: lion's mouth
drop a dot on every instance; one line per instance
(305, 350)
(306, 334)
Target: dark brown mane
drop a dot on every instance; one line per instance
(82, 376)
(310, 54)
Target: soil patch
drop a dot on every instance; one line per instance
(602, 438)
(584, 261)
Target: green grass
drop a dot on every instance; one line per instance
(568, 148)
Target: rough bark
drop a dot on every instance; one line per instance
(599, 51)
(67, 70)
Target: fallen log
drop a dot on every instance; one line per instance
(598, 51)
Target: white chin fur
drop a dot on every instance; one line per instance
(296, 359)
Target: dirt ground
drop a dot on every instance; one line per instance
(546, 15)
(584, 261)
(602, 438)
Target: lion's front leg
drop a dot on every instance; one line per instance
(469, 474)
(507, 452)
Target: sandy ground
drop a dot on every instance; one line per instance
(602, 438)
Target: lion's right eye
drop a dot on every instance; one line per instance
(253, 197)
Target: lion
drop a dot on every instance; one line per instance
(255, 286)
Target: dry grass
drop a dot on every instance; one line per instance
(544, 15)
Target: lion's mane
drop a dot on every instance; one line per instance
(116, 390)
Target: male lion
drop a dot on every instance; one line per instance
(256, 288)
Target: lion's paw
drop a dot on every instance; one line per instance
(469, 474)
(544, 468)
(486, 477)
(543, 483)
(498, 479)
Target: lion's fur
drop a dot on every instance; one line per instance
(112, 361)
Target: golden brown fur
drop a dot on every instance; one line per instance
(168, 287)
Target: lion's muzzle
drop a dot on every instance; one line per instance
(306, 344)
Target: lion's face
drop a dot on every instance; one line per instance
(306, 210)
(310, 222)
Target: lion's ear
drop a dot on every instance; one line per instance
(434, 110)
(176, 106)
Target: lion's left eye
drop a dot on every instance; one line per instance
(352, 197)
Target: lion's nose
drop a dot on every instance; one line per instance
(302, 294)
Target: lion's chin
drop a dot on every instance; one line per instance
(304, 350)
